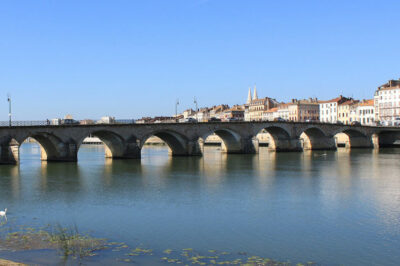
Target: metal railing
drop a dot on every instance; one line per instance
(24, 123)
(50, 123)
(28, 123)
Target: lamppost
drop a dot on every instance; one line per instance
(176, 110)
(195, 102)
(9, 108)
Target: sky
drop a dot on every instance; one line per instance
(131, 59)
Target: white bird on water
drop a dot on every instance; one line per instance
(3, 214)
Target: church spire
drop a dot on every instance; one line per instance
(249, 96)
(255, 97)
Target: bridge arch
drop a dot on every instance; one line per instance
(280, 139)
(116, 146)
(231, 141)
(386, 139)
(314, 138)
(176, 142)
(352, 138)
(52, 148)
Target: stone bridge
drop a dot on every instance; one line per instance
(125, 141)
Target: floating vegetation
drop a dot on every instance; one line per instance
(67, 241)
(190, 257)
(73, 245)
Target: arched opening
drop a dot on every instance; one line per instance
(277, 139)
(352, 139)
(387, 139)
(169, 142)
(109, 143)
(29, 150)
(315, 139)
(228, 140)
(43, 146)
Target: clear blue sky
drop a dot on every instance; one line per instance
(135, 58)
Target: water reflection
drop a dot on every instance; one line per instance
(10, 181)
(343, 206)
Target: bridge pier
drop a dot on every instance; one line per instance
(282, 145)
(246, 145)
(130, 150)
(319, 143)
(250, 145)
(360, 143)
(375, 141)
(9, 153)
(65, 152)
(386, 139)
(190, 148)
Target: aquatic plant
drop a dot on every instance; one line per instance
(71, 242)
(68, 241)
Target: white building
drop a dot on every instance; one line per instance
(328, 110)
(366, 112)
(388, 103)
(203, 115)
(270, 114)
(189, 113)
(106, 120)
(283, 111)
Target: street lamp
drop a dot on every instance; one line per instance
(9, 108)
(176, 109)
(195, 102)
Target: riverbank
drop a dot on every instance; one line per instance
(10, 263)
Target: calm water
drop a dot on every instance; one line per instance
(328, 207)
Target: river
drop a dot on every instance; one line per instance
(328, 207)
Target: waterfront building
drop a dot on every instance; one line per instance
(270, 114)
(255, 108)
(235, 113)
(163, 119)
(328, 110)
(106, 120)
(347, 112)
(189, 113)
(303, 110)
(143, 120)
(366, 112)
(56, 121)
(387, 106)
(218, 111)
(158, 119)
(86, 122)
(68, 120)
(283, 111)
(203, 114)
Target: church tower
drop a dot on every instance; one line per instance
(249, 97)
(255, 97)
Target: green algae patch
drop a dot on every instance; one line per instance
(68, 241)
(193, 257)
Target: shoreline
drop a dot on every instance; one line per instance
(4, 262)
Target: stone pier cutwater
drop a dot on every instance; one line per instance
(125, 141)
